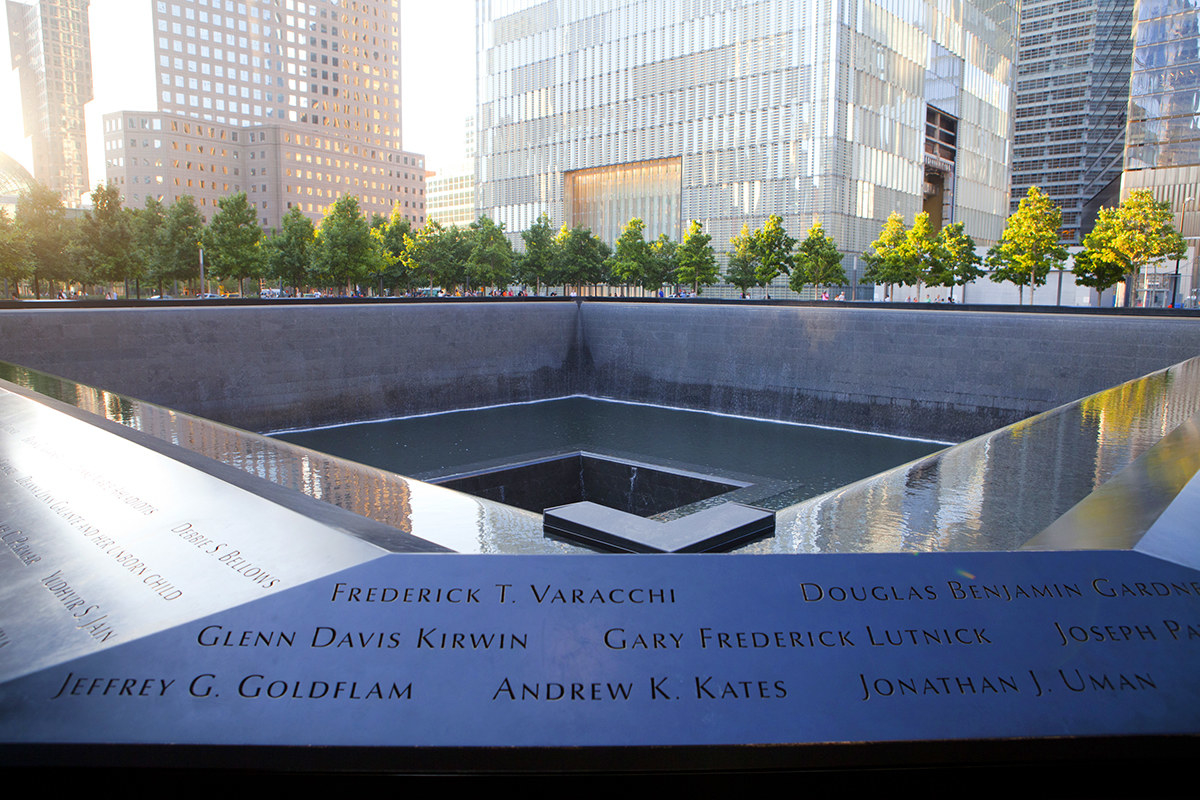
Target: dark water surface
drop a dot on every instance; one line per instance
(787, 463)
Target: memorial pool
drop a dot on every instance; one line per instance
(783, 463)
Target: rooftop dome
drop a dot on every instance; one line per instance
(14, 179)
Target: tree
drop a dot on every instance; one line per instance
(1126, 240)
(817, 261)
(180, 238)
(232, 240)
(697, 262)
(922, 252)
(289, 252)
(1030, 245)
(887, 258)
(41, 221)
(394, 239)
(774, 248)
(581, 257)
(103, 242)
(631, 259)
(437, 256)
(491, 260)
(345, 251)
(537, 264)
(743, 261)
(14, 254)
(959, 263)
(662, 266)
(148, 247)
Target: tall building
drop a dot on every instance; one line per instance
(51, 50)
(1072, 91)
(451, 191)
(1162, 140)
(727, 111)
(295, 103)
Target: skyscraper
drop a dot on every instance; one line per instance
(1072, 92)
(1162, 140)
(727, 111)
(51, 51)
(294, 102)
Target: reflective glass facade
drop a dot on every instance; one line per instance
(1072, 91)
(769, 107)
(50, 46)
(1162, 141)
(1164, 96)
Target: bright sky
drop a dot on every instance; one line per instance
(438, 63)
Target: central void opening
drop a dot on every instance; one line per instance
(651, 461)
(635, 488)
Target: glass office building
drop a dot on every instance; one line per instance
(1072, 93)
(1162, 140)
(728, 111)
(50, 47)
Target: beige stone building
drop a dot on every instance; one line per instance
(294, 103)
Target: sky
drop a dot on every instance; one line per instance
(437, 61)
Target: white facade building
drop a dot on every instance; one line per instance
(728, 111)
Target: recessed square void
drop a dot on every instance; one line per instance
(632, 487)
(555, 453)
(604, 503)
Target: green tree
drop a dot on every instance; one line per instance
(631, 258)
(289, 252)
(817, 262)
(1126, 240)
(147, 231)
(491, 260)
(437, 256)
(581, 257)
(663, 263)
(104, 238)
(14, 255)
(887, 258)
(773, 247)
(180, 239)
(959, 263)
(345, 251)
(537, 264)
(43, 227)
(743, 261)
(232, 241)
(697, 262)
(1031, 244)
(922, 250)
(394, 234)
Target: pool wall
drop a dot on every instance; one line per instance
(938, 373)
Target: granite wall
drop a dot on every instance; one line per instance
(271, 367)
(938, 373)
(946, 374)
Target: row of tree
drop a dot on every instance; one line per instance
(160, 246)
(1124, 242)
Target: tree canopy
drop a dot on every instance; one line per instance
(888, 259)
(743, 261)
(232, 240)
(817, 261)
(345, 251)
(1031, 243)
(1126, 240)
(41, 219)
(773, 248)
(697, 263)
